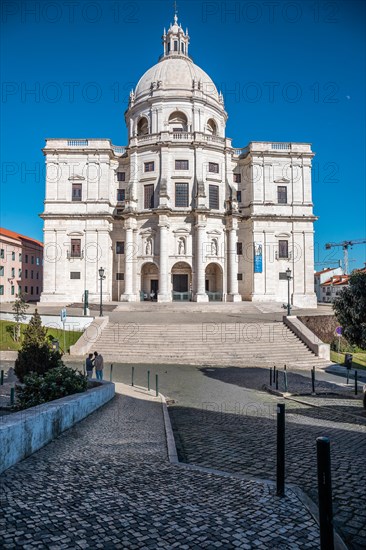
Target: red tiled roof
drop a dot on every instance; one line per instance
(325, 270)
(336, 280)
(18, 236)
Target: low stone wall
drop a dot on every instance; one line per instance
(24, 432)
(73, 322)
(307, 336)
(322, 325)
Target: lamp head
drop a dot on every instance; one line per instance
(288, 273)
(101, 272)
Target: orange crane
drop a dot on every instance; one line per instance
(345, 246)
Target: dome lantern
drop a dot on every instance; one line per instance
(175, 41)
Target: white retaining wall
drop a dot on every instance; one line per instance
(24, 432)
(54, 321)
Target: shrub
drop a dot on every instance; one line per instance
(38, 359)
(56, 383)
(35, 333)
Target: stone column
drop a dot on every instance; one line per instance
(232, 267)
(201, 295)
(130, 252)
(164, 294)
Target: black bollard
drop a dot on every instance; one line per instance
(276, 379)
(270, 376)
(157, 385)
(148, 380)
(284, 368)
(274, 373)
(356, 389)
(2, 378)
(313, 380)
(132, 376)
(111, 373)
(325, 494)
(285, 379)
(280, 450)
(12, 396)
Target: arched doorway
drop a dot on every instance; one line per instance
(213, 282)
(181, 282)
(149, 282)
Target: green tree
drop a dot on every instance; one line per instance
(350, 309)
(19, 308)
(36, 358)
(35, 333)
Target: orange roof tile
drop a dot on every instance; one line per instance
(18, 236)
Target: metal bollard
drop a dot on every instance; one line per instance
(270, 376)
(276, 379)
(280, 450)
(157, 384)
(148, 380)
(325, 493)
(274, 373)
(132, 375)
(356, 389)
(285, 379)
(2, 378)
(284, 367)
(313, 380)
(111, 373)
(12, 395)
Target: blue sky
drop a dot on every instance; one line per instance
(289, 71)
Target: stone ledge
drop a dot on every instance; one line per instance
(89, 336)
(24, 432)
(307, 336)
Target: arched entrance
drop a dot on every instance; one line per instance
(181, 282)
(149, 282)
(213, 282)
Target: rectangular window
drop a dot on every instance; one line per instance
(12, 290)
(73, 275)
(238, 196)
(181, 165)
(181, 195)
(283, 249)
(37, 290)
(1, 290)
(13, 255)
(213, 195)
(19, 289)
(37, 261)
(239, 249)
(121, 176)
(26, 273)
(20, 257)
(213, 167)
(149, 166)
(2, 253)
(32, 274)
(26, 289)
(75, 248)
(120, 276)
(121, 195)
(37, 275)
(148, 196)
(32, 260)
(281, 194)
(13, 271)
(19, 272)
(120, 247)
(1, 270)
(26, 258)
(237, 178)
(76, 192)
(240, 276)
(31, 290)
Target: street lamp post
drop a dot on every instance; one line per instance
(101, 276)
(288, 275)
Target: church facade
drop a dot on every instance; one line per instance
(179, 213)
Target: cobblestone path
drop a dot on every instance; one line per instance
(106, 483)
(243, 439)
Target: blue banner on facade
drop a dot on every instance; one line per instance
(258, 264)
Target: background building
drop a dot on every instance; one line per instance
(178, 212)
(21, 266)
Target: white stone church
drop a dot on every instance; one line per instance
(179, 213)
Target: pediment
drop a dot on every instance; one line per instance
(213, 232)
(75, 234)
(76, 177)
(282, 180)
(182, 231)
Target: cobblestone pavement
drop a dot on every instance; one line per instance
(106, 483)
(243, 439)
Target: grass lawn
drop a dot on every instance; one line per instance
(7, 341)
(358, 359)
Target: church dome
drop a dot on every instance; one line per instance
(176, 73)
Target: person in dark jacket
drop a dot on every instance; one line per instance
(89, 363)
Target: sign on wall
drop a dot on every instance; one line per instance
(258, 263)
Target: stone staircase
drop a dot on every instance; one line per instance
(240, 344)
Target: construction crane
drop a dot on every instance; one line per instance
(345, 246)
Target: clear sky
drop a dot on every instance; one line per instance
(289, 71)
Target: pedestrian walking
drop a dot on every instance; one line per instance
(99, 365)
(89, 364)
